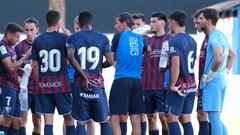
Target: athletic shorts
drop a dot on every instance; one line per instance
(155, 101)
(213, 96)
(9, 102)
(46, 103)
(32, 103)
(200, 100)
(179, 105)
(89, 105)
(126, 96)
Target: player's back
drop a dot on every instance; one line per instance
(49, 49)
(90, 47)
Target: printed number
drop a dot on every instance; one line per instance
(91, 55)
(190, 62)
(8, 100)
(50, 60)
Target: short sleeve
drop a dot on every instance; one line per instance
(174, 49)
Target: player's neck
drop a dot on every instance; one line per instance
(52, 29)
(159, 33)
(179, 30)
(5, 40)
(210, 29)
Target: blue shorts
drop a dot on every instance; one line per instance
(32, 103)
(200, 101)
(213, 96)
(9, 102)
(155, 101)
(180, 105)
(46, 103)
(89, 105)
(126, 96)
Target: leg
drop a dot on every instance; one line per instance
(15, 126)
(115, 123)
(48, 124)
(143, 123)
(152, 124)
(187, 125)
(70, 127)
(135, 121)
(90, 127)
(217, 126)
(80, 129)
(123, 124)
(22, 130)
(106, 128)
(163, 121)
(174, 128)
(203, 123)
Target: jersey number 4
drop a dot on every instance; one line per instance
(50, 60)
(90, 55)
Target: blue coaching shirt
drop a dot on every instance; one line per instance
(184, 46)
(49, 49)
(216, 39)
(90, 46)
(128, 47)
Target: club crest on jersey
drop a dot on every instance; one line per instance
(8, 109)
(172, 50)
(3, 50)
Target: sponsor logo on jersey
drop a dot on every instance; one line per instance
(89, 96)
(50, 84)
(3, 50)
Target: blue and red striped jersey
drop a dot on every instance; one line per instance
(202, 57)
(49, 50)
(90, 47)
(8, 79)
(21, 49)
(152, 78)
(184, 46)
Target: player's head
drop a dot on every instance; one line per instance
(177, 19)
(53, 18)
(211, 15)
(196, 20)
(138, 20)
(12, 33)
(157, 21)
(85, 19)
(123, 22)
(76, 24)
(31, 27)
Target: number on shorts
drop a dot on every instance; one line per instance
(50, 60)
(8, 100)
(190, 62)
(91, 55)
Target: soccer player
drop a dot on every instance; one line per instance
(49, 54)
(153, 79)
(182, 87)
(138, 20)
(219, 60)
(31, 27)
(9, 86)
(126, 92)
(86, 48)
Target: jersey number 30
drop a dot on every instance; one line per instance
(50, 60)
(89, 55)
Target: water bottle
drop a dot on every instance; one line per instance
(164, 55)
(23, 95)
(2, 133)
(142, 30)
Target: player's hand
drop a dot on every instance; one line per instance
(226, 71)
(208, 78)
(176, 89)
(85, 85)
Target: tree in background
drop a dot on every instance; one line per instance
(58, 5)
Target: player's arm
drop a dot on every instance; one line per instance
(109, 60)
(217, 60)
(78, 68)
(13, 66)
(231, 58)
(175, 70)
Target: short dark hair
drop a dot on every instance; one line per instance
(197, 13)
(32, 20)
(211, 14)
(85, 18)
(139, 16)
(179, 16)
(13, 27)
(126, 17)
(52, 17)
(160, 16)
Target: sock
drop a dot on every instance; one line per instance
(210, 128)
(22, 131)
(70, 130)
(225, 132)
(48, 129)
(34, 133)
(188, 129)
(106, 128)
(203, 128)
(164, 132)
(174, 128)
(216, 124)
(143, 127)
(3, 128)
(80, 130)
(154, 132)
(123, 126)
(12, 131)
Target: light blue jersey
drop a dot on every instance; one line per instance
(128, 47)
(216, 38)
